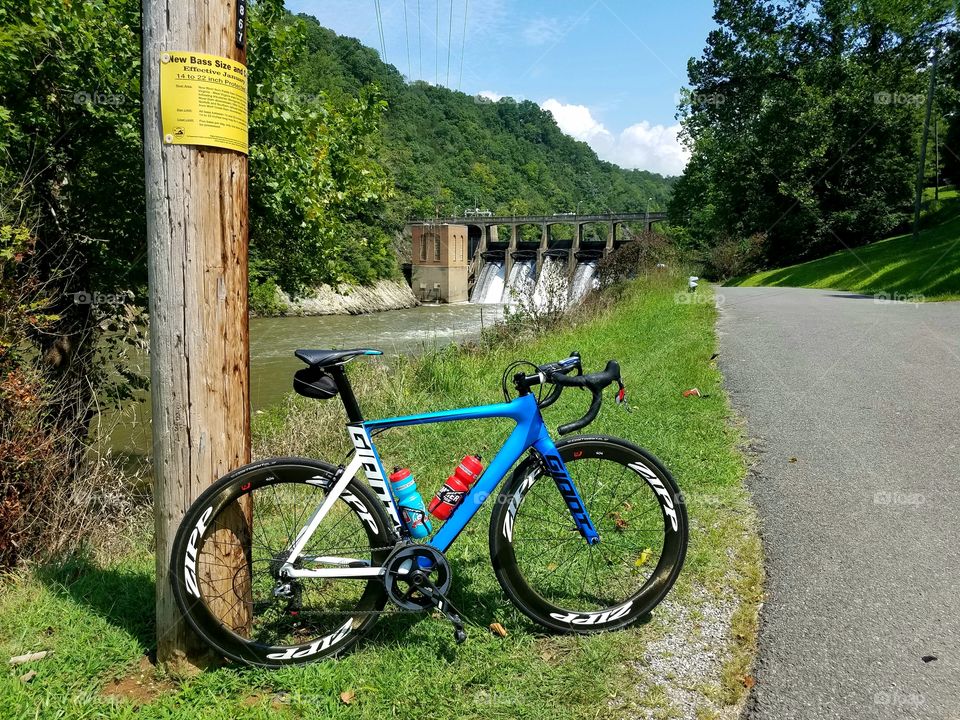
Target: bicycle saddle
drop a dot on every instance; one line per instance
(326, 358)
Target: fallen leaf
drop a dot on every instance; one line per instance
(692, 392)
(28, 676)
(644, 556)
(793, 459)
(748, 681)
(551, 566)
(347, 696)
(928, 658)
(29, 657)
(498, 629)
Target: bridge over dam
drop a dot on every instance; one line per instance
(493, 269)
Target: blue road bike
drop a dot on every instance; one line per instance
(290, 560)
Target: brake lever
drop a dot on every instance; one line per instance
(621, 398)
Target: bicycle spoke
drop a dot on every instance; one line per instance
(285, 611)
(575, 575)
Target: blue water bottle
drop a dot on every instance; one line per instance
(413, 511)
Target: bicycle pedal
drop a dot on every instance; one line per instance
(441, 603)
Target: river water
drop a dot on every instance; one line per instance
(272, 364)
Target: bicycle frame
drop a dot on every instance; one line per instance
(530, 432)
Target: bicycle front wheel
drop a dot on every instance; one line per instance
(235, 538)
(547, 568)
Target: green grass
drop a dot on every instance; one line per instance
(927, 268)
(96, 615)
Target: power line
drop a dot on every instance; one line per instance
(406, 32)
(383, 44)
(436, 50)
(449, 42)
(463, 42)
(419, 42)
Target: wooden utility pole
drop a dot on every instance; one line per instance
(921, 168)
(197, 235)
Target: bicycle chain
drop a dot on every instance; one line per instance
(389, 609)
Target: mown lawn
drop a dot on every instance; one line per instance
(96, 615)
(900, 267)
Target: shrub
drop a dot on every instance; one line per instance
(639, 256)
(735, 257)
(265, 298)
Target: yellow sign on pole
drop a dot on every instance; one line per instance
(203, 100)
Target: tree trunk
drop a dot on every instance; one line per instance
(199, 354)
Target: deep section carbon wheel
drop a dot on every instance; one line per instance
(230, 548)
(547, 568)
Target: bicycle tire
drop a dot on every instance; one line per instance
(367, 525)
(530, 573)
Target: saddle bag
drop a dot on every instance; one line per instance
(313, 382)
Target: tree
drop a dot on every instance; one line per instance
(802, 121)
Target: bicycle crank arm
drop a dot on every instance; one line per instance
(441, 603)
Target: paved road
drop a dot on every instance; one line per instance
(855, 408)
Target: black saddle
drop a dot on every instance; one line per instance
(326, 358)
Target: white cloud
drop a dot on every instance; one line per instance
(577, 121)
(651, 147)
(655, 148)
(490, 95)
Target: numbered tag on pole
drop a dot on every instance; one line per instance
(241, 33)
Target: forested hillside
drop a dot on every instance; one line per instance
(444, 149)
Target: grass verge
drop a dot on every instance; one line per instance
(95, 615)
(900, 267)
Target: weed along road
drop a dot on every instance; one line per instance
(854, 405)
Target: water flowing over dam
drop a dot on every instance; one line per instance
(550, 261)
(490, 283)
(554, 287)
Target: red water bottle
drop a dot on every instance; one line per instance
(456, 487)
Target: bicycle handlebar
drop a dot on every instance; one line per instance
(557, 375)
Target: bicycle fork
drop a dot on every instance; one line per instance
(555, 467)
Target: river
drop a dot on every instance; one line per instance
(272, 364)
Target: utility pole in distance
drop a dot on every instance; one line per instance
(921, 167)
(197, 233)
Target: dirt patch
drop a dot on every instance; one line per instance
(140, 687)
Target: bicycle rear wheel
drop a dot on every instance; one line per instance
(244, 609)
(546, 567)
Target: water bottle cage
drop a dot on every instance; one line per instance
(412, 516)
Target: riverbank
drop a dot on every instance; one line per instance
(689, 659)
(412, 331)
(350, 299)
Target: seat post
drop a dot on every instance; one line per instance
(339, 375)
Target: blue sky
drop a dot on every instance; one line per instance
(609, 70)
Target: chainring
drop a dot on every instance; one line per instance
(409, 564)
